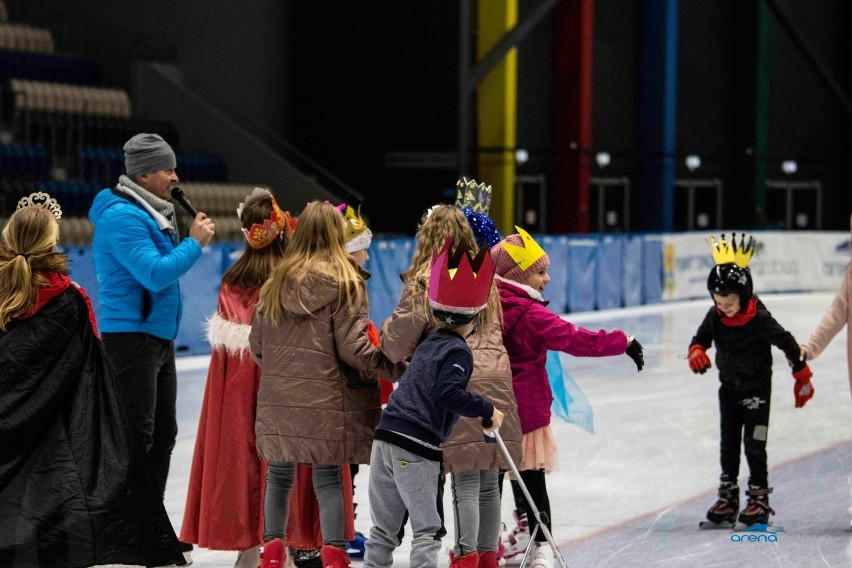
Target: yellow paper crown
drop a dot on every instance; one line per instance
(526, 255)
(355, 225)
(725, 252)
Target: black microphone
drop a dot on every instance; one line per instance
(179, 196)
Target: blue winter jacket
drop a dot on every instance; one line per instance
(138, 267)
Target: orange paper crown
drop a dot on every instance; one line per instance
(459, 283)
(263, 234)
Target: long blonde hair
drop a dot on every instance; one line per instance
(317, 246)
(27, 249)
(440, 222)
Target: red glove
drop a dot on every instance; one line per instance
(699, 362)
(803, 390)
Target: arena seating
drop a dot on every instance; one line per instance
(62, 128)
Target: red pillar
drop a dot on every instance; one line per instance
(571, 130)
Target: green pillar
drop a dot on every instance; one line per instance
(762, 62)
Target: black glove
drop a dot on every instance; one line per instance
(634, 351)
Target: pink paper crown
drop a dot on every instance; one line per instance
(459, 283)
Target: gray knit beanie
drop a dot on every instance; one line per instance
(147, 153)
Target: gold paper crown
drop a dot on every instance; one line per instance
(728, 253)
(526, 255)
(355, 225)
(473, 196)
(43, 200)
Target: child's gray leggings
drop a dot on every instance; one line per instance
(328, 486)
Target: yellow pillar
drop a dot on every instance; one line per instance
(496, 111)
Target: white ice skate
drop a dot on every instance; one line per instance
(543, 556)
(515, 543)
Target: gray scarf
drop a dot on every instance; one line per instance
(162, 211)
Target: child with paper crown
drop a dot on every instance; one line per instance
(529, 331)
(743, 331)
(225, 495)
(474, 464)
(358, 238)
(309, 333)
(405, 465)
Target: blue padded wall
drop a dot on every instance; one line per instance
(556, 247)
(609, 267)
(631, 271)
(582, 270)
(587, 272)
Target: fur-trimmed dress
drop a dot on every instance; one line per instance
(224, 502)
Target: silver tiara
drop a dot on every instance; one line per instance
(43, 200)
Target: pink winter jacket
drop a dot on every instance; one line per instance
(530, 330)
(838, 314)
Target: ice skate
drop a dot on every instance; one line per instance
(273, 554)
(757, 509)
(334, 557)
(356, 547)
(515, 543)
(306, 558)
(723, 513)
(542, 556)
(469, 560)
(501, 548)
(248, 558)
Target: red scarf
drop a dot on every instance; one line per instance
(56, 284)
(741, 317)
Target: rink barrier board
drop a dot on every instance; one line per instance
(588, 272)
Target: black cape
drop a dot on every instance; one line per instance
(74, 491)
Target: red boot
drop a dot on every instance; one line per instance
(273, 554)
(333, 557)
(470, 560)
(487, 560)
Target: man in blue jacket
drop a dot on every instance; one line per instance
(139, 258)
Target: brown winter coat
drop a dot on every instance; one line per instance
(306, 413)
(465, 450)
(838, 314)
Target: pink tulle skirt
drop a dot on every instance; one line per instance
(540, 452)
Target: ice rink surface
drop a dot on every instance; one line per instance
(632, 493)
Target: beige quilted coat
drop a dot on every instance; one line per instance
(465, 450)
(838, 314)
(306, 413)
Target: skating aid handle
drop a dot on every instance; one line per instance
(490, 437)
